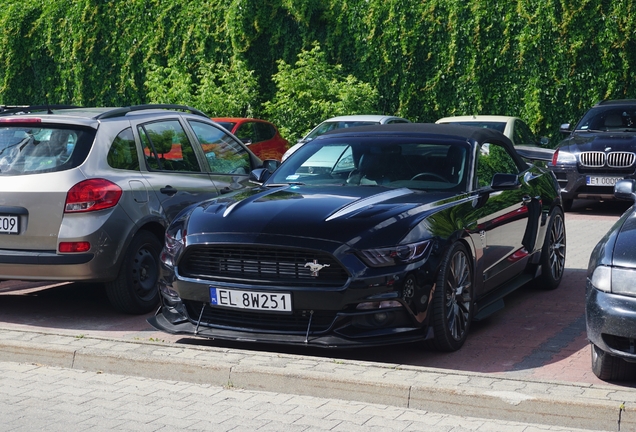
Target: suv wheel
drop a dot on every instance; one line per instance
(134, 291)
(610, 368)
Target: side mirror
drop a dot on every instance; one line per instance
(565, 128)
(624, 189)
(544, 141)
(271, 165)
(259, 175)
(505, 182)
(246, 141)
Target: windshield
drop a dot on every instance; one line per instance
(609, 118)
(377, 161)
(31, 150)
(327, 126)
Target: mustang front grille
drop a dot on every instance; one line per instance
(263, 265)
(297, 322)
(597, 159)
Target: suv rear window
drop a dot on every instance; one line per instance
(31, 150)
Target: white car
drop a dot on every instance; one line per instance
(524, 140)
(344, 122)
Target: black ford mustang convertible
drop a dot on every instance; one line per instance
(366, 236)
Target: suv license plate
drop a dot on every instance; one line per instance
(601, 181)
(9, 224)
(255, 300)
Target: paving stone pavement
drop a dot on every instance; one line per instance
(569, 405)
(35, 397)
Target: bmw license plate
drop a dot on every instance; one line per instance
(255, 300)
(601, 181)
(9, 224)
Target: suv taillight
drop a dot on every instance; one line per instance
(92, 195)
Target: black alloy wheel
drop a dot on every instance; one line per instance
(452, 306)
(553, 252)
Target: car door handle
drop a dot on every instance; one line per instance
(168, 190)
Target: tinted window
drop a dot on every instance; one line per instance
(522, 134)
(493, 159)
(167, 148)
(223, 154)
(123, 152)
(31, 150)
(264, 131)
(246, 132)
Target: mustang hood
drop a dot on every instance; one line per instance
(590, 141)
(335, 213)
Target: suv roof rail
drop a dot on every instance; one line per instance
(24, 109)
(118, 112)
(617, 102)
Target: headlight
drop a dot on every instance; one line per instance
(395, 255)
(563, 158)
(614, 280)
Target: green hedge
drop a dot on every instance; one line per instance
(546, 61)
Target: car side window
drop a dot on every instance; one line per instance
(493, 159)
(167, 148)
(123, 152)
(522, 134)
(223, 154)
(264, 131)
(246, 133)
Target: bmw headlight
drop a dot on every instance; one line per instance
(561, 157)
(614, 280)
(396, 255)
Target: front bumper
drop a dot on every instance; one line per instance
(573, 184)
(611, 322)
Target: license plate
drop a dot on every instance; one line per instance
(9, 224)
(602, 181)
(255, 300)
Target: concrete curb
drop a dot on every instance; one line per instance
(458, 393)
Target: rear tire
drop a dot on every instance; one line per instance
(553, 253)
(452, 305)
(134, 291)
(610, 368)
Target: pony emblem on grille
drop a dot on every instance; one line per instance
(314, 267)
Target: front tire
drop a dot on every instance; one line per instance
(452, 305)
(553, 253)
(610, 368)
(134, 291)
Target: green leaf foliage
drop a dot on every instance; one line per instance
(301, 61)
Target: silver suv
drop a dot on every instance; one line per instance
(88, 192)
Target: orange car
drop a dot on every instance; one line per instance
(260, 136)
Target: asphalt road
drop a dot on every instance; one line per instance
(538, 335)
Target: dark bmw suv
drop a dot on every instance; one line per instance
(598, 151)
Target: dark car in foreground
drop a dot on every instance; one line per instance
(87, 193)
(366, 236)
(598, 151)
(610, 306)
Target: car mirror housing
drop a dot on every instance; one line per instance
(271, 165)
(505, 181)
(259, 175)
(624, 189)
(565, 128)
(544, 141)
